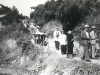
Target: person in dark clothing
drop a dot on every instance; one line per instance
(43, 38)
(39, 39)
(70, 44)
(35, 38)
(85, 41)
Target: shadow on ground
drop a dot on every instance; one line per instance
(4, 74)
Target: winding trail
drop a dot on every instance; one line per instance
(76, 48)
(58, 57)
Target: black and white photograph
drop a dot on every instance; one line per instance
(49, 37)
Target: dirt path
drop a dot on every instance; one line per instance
(70, 63)
(58, 64)
(77, 47)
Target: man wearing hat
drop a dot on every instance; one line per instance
(56, 35)
(93, 37)
(85, 41)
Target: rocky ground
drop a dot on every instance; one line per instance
(51, 62)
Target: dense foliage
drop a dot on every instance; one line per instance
(70, 13)
(12, 14)
(12, 29)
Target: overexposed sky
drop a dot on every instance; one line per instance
(22, 5)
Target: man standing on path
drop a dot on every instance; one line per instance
(70, 41)
(93, 37)
(85, 41)
(56, 35)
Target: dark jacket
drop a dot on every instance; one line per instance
(84, 39)
(69, 38)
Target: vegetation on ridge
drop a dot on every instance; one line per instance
(70, 13)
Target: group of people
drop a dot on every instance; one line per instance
(39, 39)
(89, 40)
(63, 41)
(37, 36)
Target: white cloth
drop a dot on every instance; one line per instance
(87, 34)
(97, 46)
(63, 39)
(55, 35)
(93, 37)
(25, 25)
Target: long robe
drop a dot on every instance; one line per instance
(70, 43)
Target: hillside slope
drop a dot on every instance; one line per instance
(50, 61)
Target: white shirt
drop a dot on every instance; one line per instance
(87, 34)
(55, 35)
(63, 39)
(93, 35)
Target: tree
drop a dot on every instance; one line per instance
(12, 14)
(37, 15)
(69, 12)
(31, 15)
